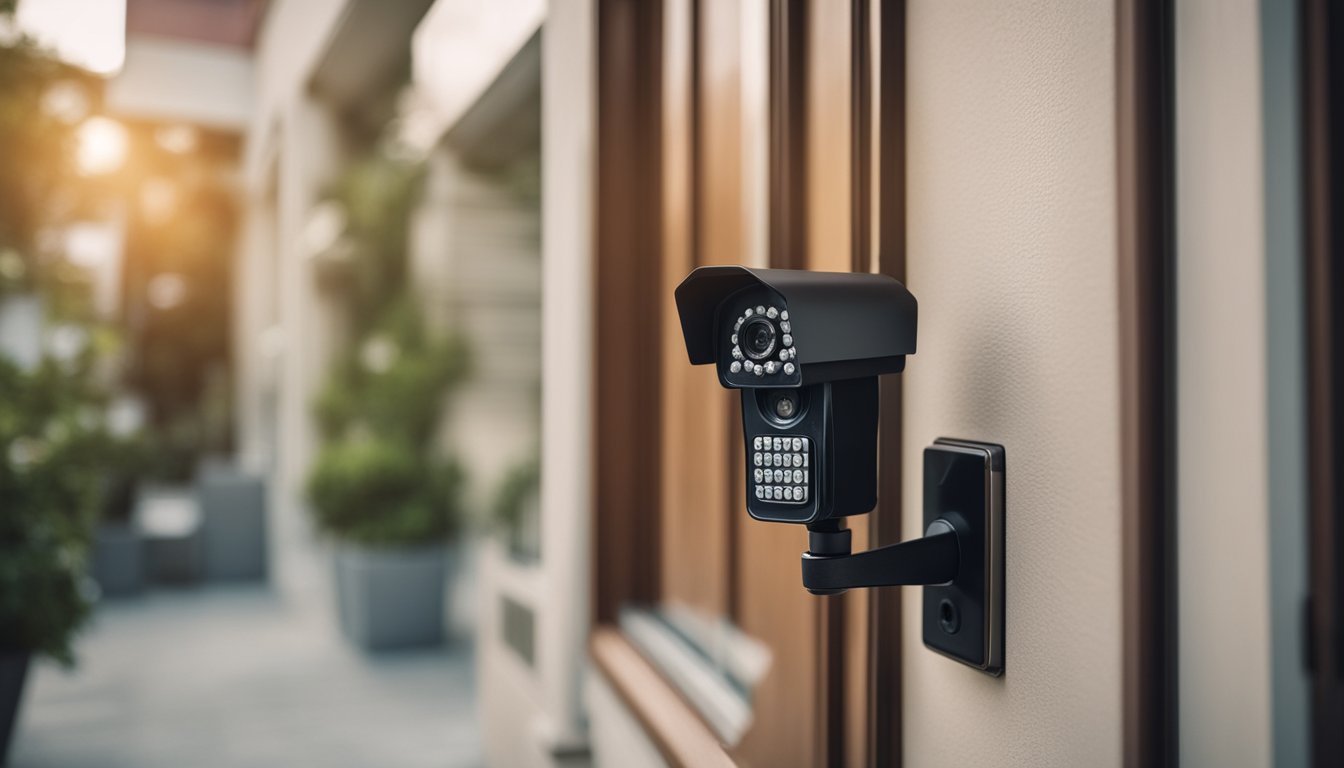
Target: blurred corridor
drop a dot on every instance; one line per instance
(239, 676)
(260, 400)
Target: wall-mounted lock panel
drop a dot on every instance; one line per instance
(964, 485)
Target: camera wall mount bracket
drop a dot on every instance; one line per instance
(959, 560)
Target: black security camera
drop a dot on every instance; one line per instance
(805, 349)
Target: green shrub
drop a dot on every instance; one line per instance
(376, 194)
(399, 395)
(379, 479)
(513, 512)
(51, 470)
(54, 449)
(381, 492)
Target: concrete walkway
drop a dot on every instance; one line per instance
(242, 677)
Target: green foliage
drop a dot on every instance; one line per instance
(37, 147)
(51, 473)
(381, 492)
(393, 383)
(126, 462)
(514, 512)
(520, 485)
(55, 452)
(179, 352)
(376, 196)
(379, 479)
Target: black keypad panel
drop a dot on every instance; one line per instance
(780, 469)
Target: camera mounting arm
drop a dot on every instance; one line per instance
(829, 568)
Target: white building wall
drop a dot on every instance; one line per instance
(186, 81)
(569, 129)
(458, 50)
(256, 328)
(308, 156)
(532, 714)
(476, 259)
(291, 148)
(291, 39)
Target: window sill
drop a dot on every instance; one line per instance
(676, 729)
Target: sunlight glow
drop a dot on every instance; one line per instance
(87, 33)
(92, 245)
(102, 146)
(166, 290)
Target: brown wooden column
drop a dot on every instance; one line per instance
(628, 291)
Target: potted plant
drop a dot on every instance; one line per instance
(381, 488)
(515, 511)
(49, 480)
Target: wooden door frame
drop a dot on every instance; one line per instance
(885, 648)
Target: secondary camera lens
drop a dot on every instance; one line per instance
(757, 338)
(786, 406)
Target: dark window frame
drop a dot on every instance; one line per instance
(1323, 275)
(1146, 258)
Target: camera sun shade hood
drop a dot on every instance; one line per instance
(845, 324)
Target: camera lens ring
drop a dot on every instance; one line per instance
(757, 338)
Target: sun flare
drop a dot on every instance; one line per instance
(102, 146)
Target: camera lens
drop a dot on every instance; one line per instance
(757, 338)
(783, 406)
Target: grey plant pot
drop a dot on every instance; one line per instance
(391, 598)
(233, 524)
(118, 559)
(13, 672)
(169, 521)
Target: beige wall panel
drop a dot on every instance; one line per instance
(1012, 255)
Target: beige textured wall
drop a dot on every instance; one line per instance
(1012, 254)
(1223, 495)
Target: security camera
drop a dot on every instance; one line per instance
(815, 326)
(806, 349)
